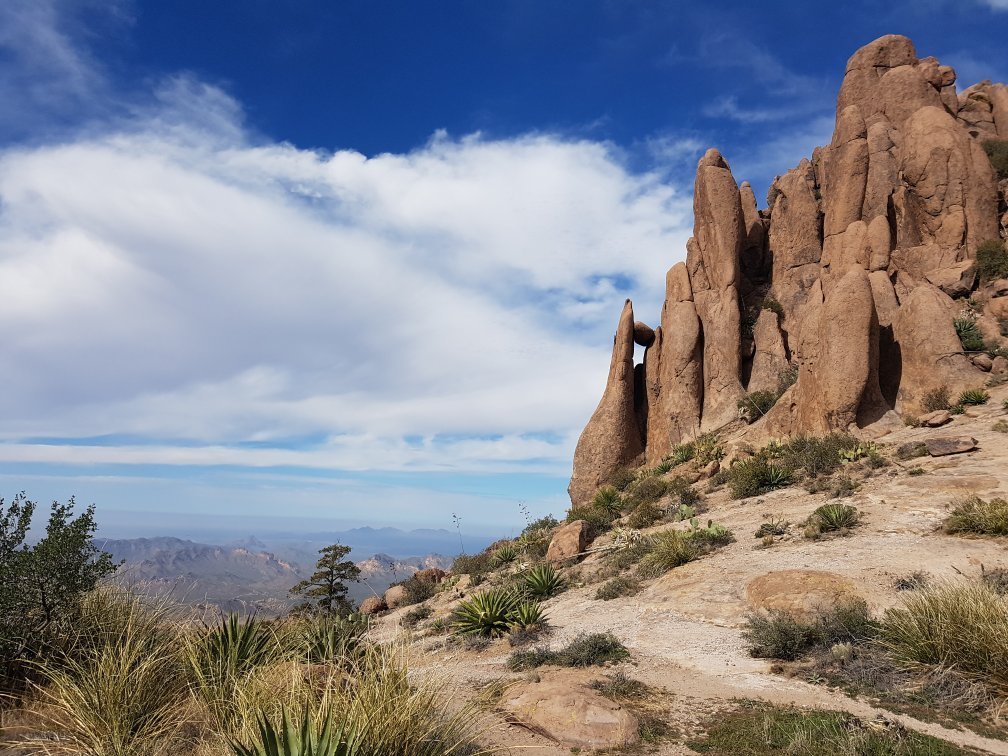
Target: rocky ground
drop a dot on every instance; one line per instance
(684, 629)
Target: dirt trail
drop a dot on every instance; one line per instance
(684, 629)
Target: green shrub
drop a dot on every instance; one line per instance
(669, 549)
(472, 564)
(619, 685)
(756, 475)
(773, 527)
(622, 478)
(617, 587)
(969, 333)
(710, 537)
(608, 500)
(542, 581)
(997, 151)
(326, 638)
(758, 403)
(974, 515)
(815, 455)
(682, 453)
(936, 399)
(418, 590)
(707, 448)
(527, 614)
(644, 516)
(599, 520)
(962, 626)
(415, 616)
(991, 260)
(585, 650)
(974, 397)
(505, 554)
(778, 634)
(769, 303)
(915, 471)
(305, 739)
(956, 409)
(647, 490)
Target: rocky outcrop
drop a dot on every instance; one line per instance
(863, 248)
(569, 542)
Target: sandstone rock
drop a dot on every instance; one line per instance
(803, 593)
(845, 172)
(930, 351)
(752, 260)
(997, 307)
(373, 605)
(882, 173)
(612, 439)
(771, 357)
(935, 419)
(395, 597)
(998, 288)
(713, 264)
(431, 575)
(643, 334)
(983, 362)
(999, 365)
(575, 716)
(866, 68)
(569, 541)
(879, 242)
(940, 447)
(674, 369)
(955, 280)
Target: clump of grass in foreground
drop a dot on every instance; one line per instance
(617, 587)
(780, 635)
(757, 729)
(669, 549)
(961, 626)
(973, 397)
(974, 515)
(584, 651)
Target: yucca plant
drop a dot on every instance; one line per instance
(835, 516)
(681, 453)
(232, 648)
(328, 638)
(488, 613)
(543, 581)
(974, 397)
(608, 500)
(664, 466)
(527, 614)
(303, 740)
(505, 554)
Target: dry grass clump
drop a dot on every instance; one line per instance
(974, 515)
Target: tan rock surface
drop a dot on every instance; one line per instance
(569, 541)
(804, 593)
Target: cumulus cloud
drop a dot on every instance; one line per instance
(173, 280)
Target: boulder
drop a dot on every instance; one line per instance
(395, 597)
(569, 541)
(573, 715)
(712, 260)
(999, 365)
(431, 575)
(955, 280)
(865, 69)
(612, 439)
(373, 605)
(931, 354)
(643, 334)
(804, 594)
(940, 447)
(935, 419)
(983, 362)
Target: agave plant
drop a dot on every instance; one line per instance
(487, 614)
(608, 500)
(681, 453)
(328, 638)
(303, 740)
(974, 396)
(528, 614)
(505, 554)
(664, 466)
(834, 516)
(543, 581)
(232, 648)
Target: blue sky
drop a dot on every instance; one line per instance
(362, 260)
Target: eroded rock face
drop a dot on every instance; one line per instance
(863, 247)
(569, 541)
(612, 439)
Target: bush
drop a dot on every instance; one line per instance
(769, 303)
(1000, 426)
(648, 490)
(608, 500)
(834, 516)
(489, 614)
(974, 397)
(622, 478)
(969, 333)
(991, 260)
(326, 638)
(669, 549)
(418, 591)
(542, 581)
(936, 399)
(997, 151)
(584, 650)
(777, 634)
(996, 579)
(756, 475)
(472, 564)
(644, 516)
(758, 403)
(617, 587)
(415, 616)
(953, 625)
(599, 520)
(974, 515)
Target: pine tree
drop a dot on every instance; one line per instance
(325, 591)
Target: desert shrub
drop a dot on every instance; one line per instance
(683, 492)
(969, 333)
(506, 553)
(769, 303)
(835, 516)
(842, 486)
(488, 613)
(324, 638)
(991, 260)
(546, 523)
(1000, 426)
(619, 685)
(911, 450)
(778, 634)
(472, 564)
(974, 515)
(230, 649)
(847, 621)
(668, 549)
(996, 579)
(415, 616)
(774, 526)
(542, 581)
(786, 379)
(617, 587)
(682, 453)
(707, 448)
(952, 625)
(816, 455)
(301, 739)
(756, 475)
(585, 650)
(997, 151)
(418, 590)
(913, 581)
(936, 399)
(622, 478)
(758, 403)
(608, 500)
(710, 537)
(645, 515)
(915, 471)
(628, 556)
(957, 409)
(759, 729)
(647, 490)
(526, 615)
(973, 397)
(599, 520)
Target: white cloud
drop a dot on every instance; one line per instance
(168, 279)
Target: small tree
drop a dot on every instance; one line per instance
(41, 585)
(325, 591)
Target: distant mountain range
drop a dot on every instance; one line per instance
(245, 576)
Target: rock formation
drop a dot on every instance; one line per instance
(849, 275)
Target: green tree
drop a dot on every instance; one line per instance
(325, 591)
(41, 584)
